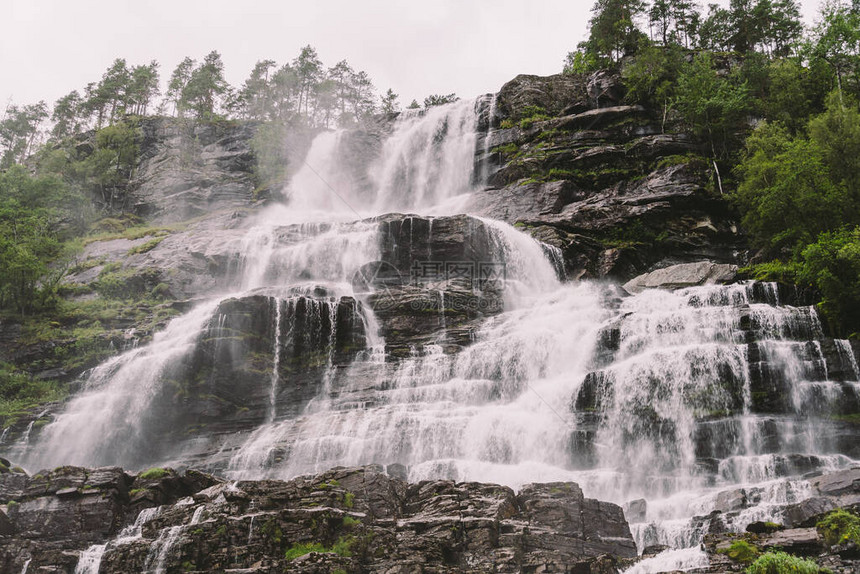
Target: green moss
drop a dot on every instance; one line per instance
(741, 551)
(509, 149)
(301, 549)
(782, 563)
(506, 124)
(342, 547)
(528, 122)
(222, 530)
(145, 247)
(349, 499)
(840, 527)
(349, 522)
(154, 473)
(136, 491)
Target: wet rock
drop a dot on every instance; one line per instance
(683, 275)
(837, 484)
(636, 510)
(605, 88)
(731, 500)
(763, 527)
(554, 94)
(808, 512)
(356, 519)
(803, 541)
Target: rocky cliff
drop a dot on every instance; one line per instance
(345, 520)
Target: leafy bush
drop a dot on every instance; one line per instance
(839, 527)
(832, 265)
(782, 563)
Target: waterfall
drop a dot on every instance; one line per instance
(90, 559)
(668, 400)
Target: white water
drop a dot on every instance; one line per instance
(504, 409)
(158, 552)
(26, 566)
(90, 559)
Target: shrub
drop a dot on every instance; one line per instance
(839, 527)
(782, 563)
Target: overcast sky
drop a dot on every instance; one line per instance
(470, 47)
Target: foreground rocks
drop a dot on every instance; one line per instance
(347, 520)
(797, 533)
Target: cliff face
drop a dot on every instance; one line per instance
(618, 188)
(347, 520)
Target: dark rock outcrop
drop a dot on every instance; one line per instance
(625, 192)
(352, 519)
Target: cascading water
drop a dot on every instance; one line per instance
(662, 400)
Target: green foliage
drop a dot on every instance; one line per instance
(741, 551)
(19, 393)
(154, 473)
(612, 30)
(832, 265)
(713, 106)
(580, 61)
(532, 114)
(786, 194)
(651, 77)
(349, 500)
(840, 527)
(31, 211)
(506, 124)
(19, 128)
(782, 563)
(778, 271)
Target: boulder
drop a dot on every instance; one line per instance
(683, 275)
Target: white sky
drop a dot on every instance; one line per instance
(50, 47)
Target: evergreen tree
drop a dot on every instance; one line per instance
(176, 86)
(254, 100)
(19, 130)
(143, 88)
(308, 69)
(613, 31)
(67, 115)
(439, 100)
(206, 86)
(389, 102)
